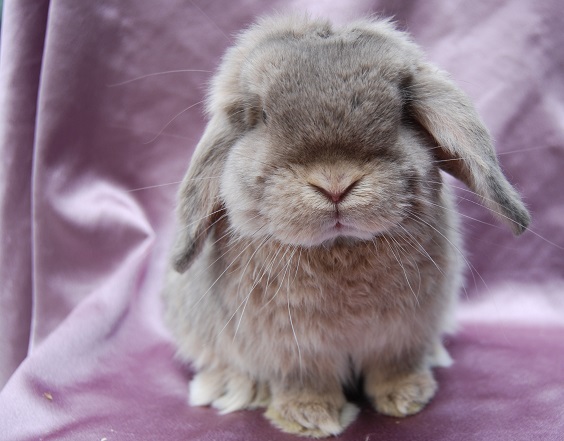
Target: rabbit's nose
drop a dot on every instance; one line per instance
(334, 195)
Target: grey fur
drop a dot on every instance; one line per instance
(282, 296)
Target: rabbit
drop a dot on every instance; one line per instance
(318, 245)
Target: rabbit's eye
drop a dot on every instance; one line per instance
(264, 116)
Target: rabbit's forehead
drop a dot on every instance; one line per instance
(369, 61)
(329, 82)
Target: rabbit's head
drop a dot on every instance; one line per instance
(318, 133)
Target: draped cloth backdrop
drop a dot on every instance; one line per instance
(90, 157)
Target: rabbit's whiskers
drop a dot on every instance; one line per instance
(281, 282)
(153, 186)
(233, 242)
(251, 158)
(391, 248)
(210, 20)
(170, 121)
(225, 270)
(491, 210)
(155, 74)
(412, 241)
(200, 178)
(186, 226)
(473, 270)
(253, 286)
(406, 255)
(246, 299)
(295, 337)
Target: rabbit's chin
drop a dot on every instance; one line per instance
(344, 232)
(329, 234)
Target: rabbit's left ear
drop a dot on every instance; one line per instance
(464, 147)
(199, 205)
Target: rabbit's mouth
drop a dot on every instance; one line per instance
(341, 228)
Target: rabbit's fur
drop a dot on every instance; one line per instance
(317, 242)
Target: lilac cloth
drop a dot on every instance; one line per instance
(86, 221)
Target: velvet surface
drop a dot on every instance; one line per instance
(93, 145)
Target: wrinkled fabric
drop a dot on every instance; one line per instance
(100, 110)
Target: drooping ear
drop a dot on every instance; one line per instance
(198, 198)
(464, 147)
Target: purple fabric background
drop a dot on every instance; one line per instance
(83, 352)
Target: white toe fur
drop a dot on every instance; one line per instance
(238, 394)
(441, 357)
(205, 388)
(348, 414)
(227, 392)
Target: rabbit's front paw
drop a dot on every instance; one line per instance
(404, 396)
(227, 391)
(307, 414)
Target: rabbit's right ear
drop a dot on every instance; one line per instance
(199, 205)
(463, 145)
